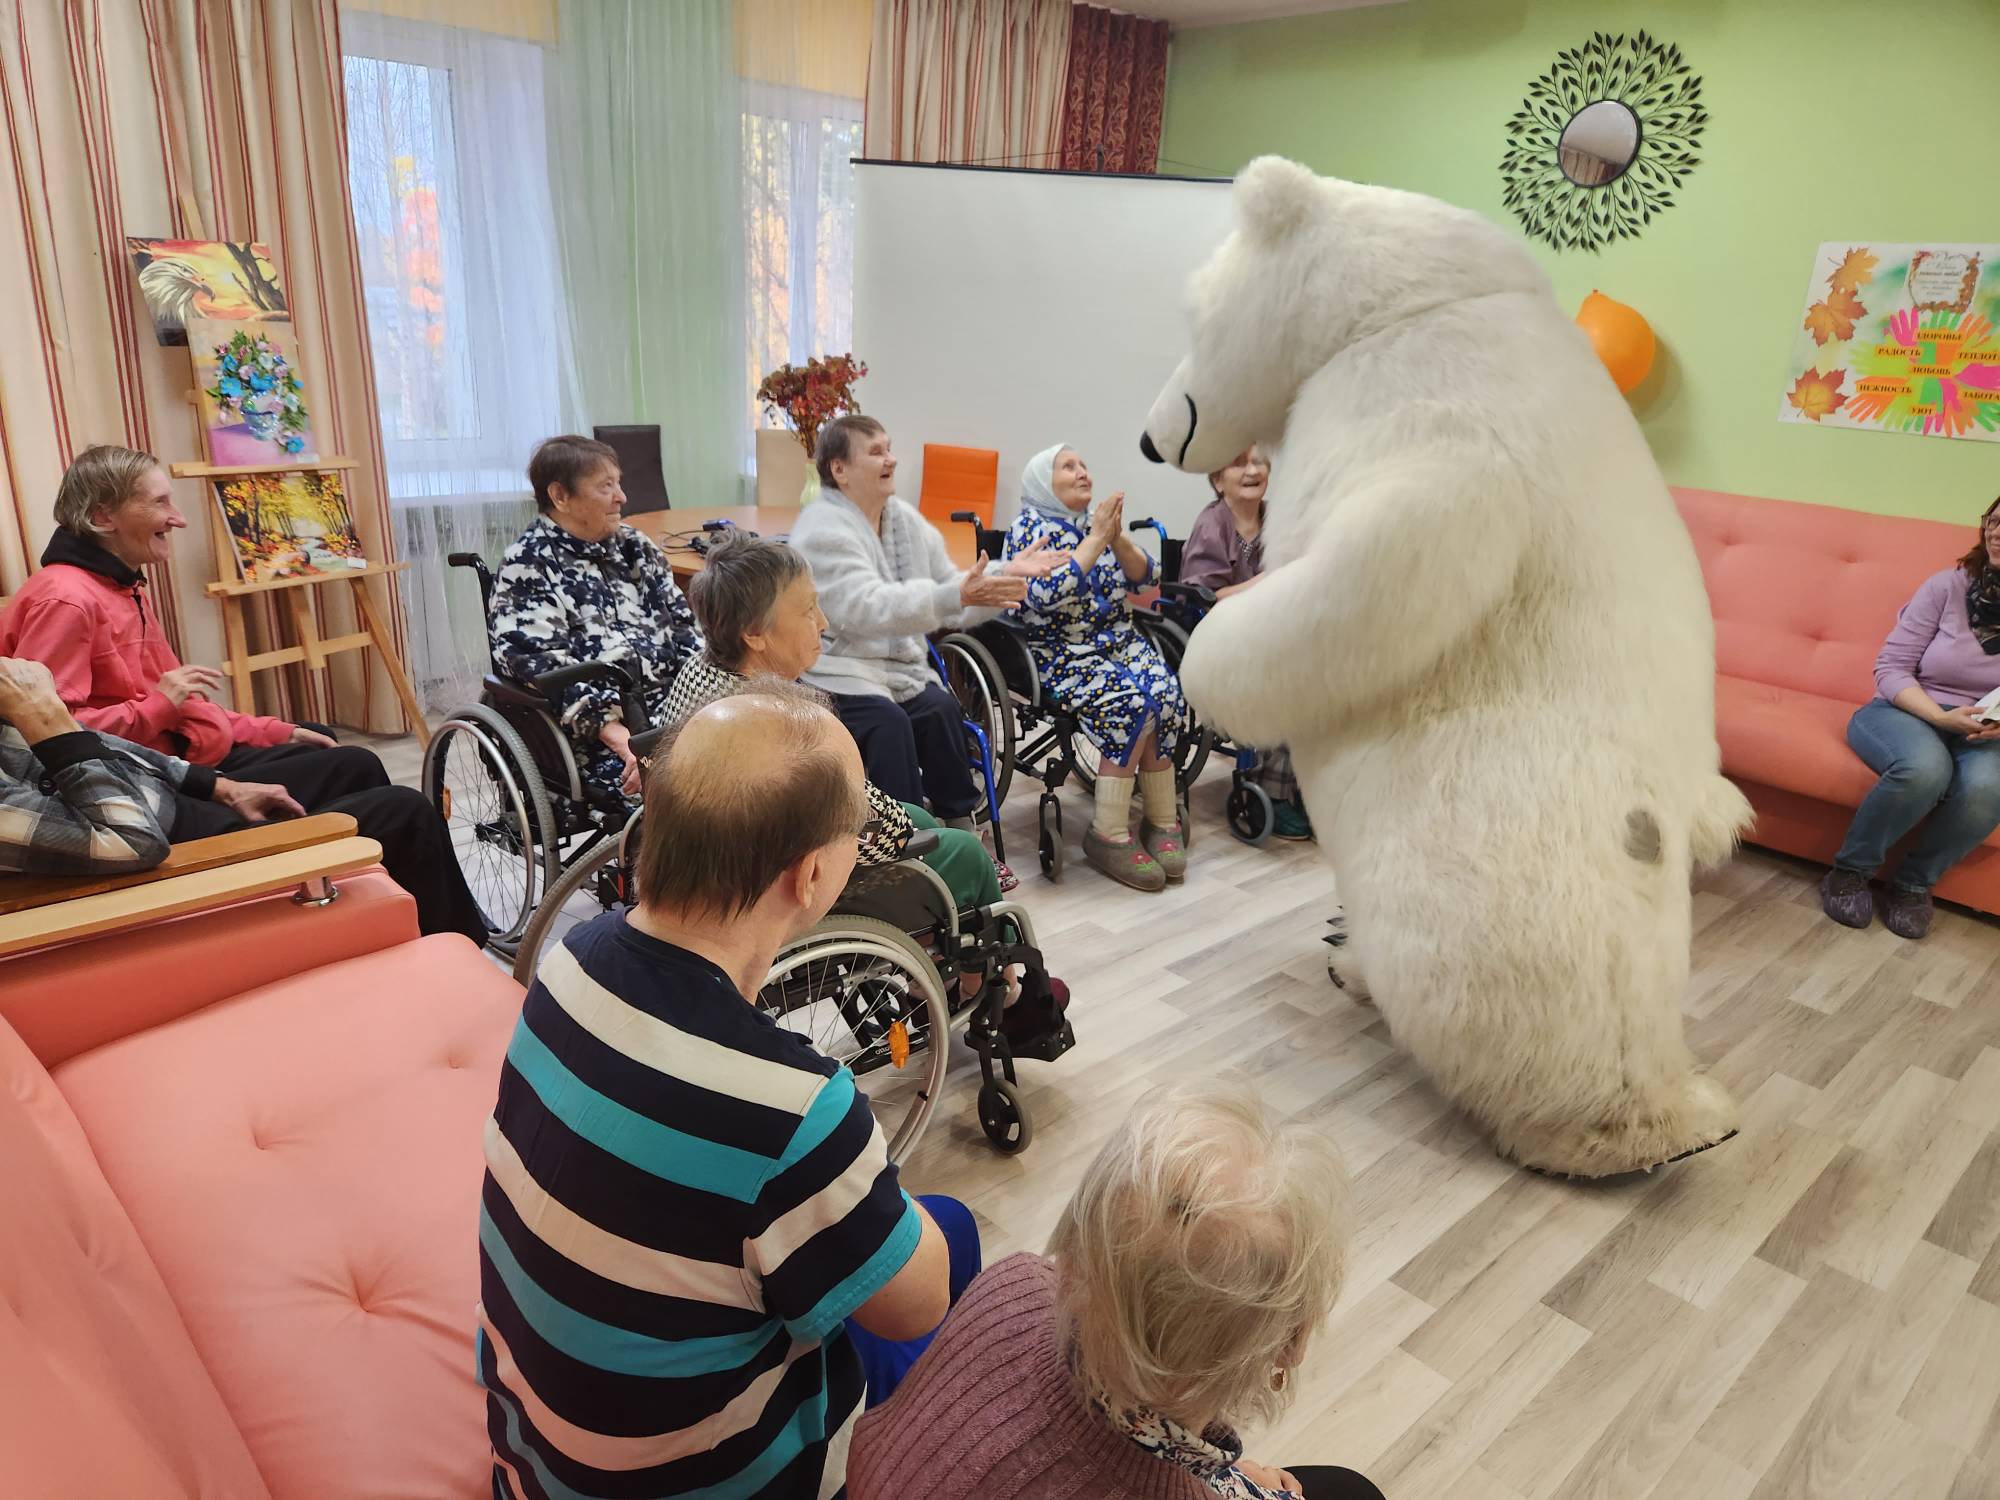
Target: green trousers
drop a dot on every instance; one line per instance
(961, 859)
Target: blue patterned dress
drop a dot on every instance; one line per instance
(1088, 650)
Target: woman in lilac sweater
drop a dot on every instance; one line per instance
(1935, 754)
(1202, 1249)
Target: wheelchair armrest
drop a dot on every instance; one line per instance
(645, 743)
(1200, 593)
(548, 684)
(923, 841)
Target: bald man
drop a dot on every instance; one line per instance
(685, 1202)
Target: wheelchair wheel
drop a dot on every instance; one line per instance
(603, 853)
(1192, 752)
(863, 993)
(974, 679)
(1251, 815)
(1052, 836)
(1004, 1118)
(482, 780)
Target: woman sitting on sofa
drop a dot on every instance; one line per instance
(1936, 756)
(1202, 1250)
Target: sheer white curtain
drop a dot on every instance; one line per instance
(470, 327)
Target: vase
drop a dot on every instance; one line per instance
(263, 425)
(811, 492)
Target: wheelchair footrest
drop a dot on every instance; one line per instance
(1050, 1046)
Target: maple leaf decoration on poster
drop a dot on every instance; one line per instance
(1899, 338)
(1816, 395)
(1854, 272)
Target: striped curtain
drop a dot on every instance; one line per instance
(1114, 98)
(967, 81)
(192, 119)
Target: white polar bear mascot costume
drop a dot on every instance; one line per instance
(1482, 631)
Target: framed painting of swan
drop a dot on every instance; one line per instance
(218, 279)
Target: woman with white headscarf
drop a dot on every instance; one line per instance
(1094, 663)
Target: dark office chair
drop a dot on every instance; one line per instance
(638, 450)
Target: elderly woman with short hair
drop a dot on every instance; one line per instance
(758, 608)
(580, 586)
(1203, 1249)
(86, 617)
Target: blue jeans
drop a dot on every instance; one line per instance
(884, 1361)
(1926, 773)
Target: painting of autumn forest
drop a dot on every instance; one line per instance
(289, 525)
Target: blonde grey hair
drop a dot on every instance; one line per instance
(103, 476)
(1204, 1246)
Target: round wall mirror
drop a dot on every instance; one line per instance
(1598, 144)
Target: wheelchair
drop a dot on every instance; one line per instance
(1249, 809)
(993, 676)
(875, 985)
(502, 775)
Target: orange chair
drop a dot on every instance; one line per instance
(958, 479)
(1803, 597)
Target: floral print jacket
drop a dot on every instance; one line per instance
(560, 601)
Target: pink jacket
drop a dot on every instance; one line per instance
(100, 638)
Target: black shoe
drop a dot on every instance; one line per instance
(1907, 913)
(1844, 896)
(1030, 1021)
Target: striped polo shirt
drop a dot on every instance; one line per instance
(683, 1203)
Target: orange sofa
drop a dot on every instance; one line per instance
(242, 1157)
(1803, 597)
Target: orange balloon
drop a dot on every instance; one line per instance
(1624, 340)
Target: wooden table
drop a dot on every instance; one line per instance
(670, 527)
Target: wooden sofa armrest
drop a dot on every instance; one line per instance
(150, 901)
(26, 892)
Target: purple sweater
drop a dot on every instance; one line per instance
(1933, 647)
(992, 1411)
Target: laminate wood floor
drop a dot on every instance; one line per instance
(1812, 1310)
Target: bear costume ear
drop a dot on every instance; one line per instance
(1273, 197)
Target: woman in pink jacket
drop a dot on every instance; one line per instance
(85, 616)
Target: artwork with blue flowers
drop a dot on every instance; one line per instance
(252, 397)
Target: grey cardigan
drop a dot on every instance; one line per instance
(882, 593)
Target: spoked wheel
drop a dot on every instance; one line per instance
(973, 677)
(1191, 754)
(594, 862)
(483, 783)
(863, 993)
(1251, 815)
(1052, 836)
(1004, 1117)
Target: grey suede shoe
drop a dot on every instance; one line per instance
(1907, 913)
(1168, 846)
(1845, 897)
(1127, 863)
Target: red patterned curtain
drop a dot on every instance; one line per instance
(1115, 93)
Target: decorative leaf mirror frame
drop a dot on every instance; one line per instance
(1602, 141)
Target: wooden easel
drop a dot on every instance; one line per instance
(311, 649)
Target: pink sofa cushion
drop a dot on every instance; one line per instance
(101, 1391)
(304, 1162)
(1790, 740)
(1804, 595)
(69, 999)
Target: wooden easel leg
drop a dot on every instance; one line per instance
(238, 641)
(392, 663)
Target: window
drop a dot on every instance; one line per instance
(798, 227)
(447, 166)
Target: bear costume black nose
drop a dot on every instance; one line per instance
(1146, 447)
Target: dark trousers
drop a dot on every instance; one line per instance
(914, 751)
(1323, 1483)
(314, 774)
(416, 849)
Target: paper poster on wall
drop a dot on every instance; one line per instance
(1899, 338)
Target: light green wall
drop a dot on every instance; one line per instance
(1827, 121)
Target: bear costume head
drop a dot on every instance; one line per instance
(1314, 265)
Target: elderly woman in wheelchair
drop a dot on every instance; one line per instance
(1095, 663)
(759, 612)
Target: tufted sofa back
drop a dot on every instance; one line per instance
(101, 1390)
(1804, 595)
